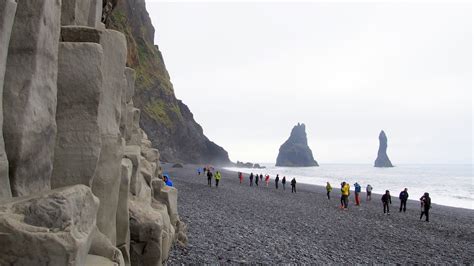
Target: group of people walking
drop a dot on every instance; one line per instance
(209, 172)
(255, 179)
(386, 199)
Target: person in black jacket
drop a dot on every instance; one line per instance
(293, 185)
(209, 177)
(425, 206)
(283, 182)
(386, 199)
(251, 179)
(256, 180)
(403, 200)
(277, 179)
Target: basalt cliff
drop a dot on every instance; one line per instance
(382, 157)
(295, 151)
(168, 121)
(80, 182)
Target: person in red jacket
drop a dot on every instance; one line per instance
(267, 179)
(241, 177)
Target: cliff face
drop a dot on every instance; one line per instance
(382, 157)
(295, 151)
(168, 122)
(80, 182)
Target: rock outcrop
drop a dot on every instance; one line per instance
(295, 151)
(29, 95)
(168, 122)
(382, 157)
(80, 183)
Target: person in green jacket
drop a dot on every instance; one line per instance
(218, 178)
(328, 190)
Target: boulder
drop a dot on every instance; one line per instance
(78, 143)
(7, 15)
(29, 95)
(146, 230)
(168, 196)
(56, 227)
(295, 152)
(177, 165)
(382, 157)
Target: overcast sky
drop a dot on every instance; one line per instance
(250, 71)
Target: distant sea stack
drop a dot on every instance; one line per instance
(382, 157)
(295, 151)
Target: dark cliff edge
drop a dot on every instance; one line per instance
(382, 157)
(168, 122)
(295, 151)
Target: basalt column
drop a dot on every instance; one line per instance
(29, 95)
(7, 15)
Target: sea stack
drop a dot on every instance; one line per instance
(382, 157)
(295, 151)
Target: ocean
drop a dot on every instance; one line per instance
(450, 184)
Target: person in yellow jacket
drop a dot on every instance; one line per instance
(345, 191)
(218, 178)
(328, 189)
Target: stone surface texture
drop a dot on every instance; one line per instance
(29, 95)
(7, 14)
(81, 185)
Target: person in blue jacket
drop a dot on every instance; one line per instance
(167, 180)
(357, 189)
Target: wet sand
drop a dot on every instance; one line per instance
(236, 223)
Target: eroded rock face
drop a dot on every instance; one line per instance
(382, 157)
(78, 143)
(295, 151)
(106, 182)
(29, 95)
(7, 15)
(109, 206)
(53, 228)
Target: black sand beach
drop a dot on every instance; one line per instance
(241, 224)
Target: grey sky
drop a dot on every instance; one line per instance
(250, 71)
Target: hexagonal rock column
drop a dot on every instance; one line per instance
(106, 182)
(29, 95)
(7, 14)
(78, 141)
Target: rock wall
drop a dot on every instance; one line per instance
(382, 157)
(79, 180)
(168, 122)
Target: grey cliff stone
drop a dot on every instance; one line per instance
(29, 95)
(382, 157)
(81, 12)
(58, 227)
(78, 143)
(295, 151)
(106, 182)
(7, 15)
